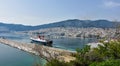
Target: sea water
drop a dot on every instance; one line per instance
(10, 56)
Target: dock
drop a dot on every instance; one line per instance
(45, 52)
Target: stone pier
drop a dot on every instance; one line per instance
(45, 52)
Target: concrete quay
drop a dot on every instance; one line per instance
(45, 52)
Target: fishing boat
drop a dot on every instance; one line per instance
(41, 40)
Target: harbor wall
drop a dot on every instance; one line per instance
(45, 52)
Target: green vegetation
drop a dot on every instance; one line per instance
(107, 63)
(107, 54)
(55, 62)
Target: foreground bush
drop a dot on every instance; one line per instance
(107, 63)
(55, 62)
(107, 54)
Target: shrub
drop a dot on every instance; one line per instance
(56, 62)
(107, 63)
(107, 54)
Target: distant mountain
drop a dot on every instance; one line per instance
(15, 27)
(81, 23)
(67, 23)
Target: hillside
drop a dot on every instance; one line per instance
(15, 27)
(81, 23)
(67, 23)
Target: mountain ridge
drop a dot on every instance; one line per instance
(66, 23)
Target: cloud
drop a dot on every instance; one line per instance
(111, 4)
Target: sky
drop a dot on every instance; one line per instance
(38, 12)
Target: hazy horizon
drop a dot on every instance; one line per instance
(38, 12)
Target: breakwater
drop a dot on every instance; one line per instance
(45, 52)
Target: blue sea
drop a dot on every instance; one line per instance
(10, 56)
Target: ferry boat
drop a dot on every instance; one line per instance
(41, 40)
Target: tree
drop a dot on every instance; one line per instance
(82, 57)
(107, 63)
(56, 62)
(107, 54)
